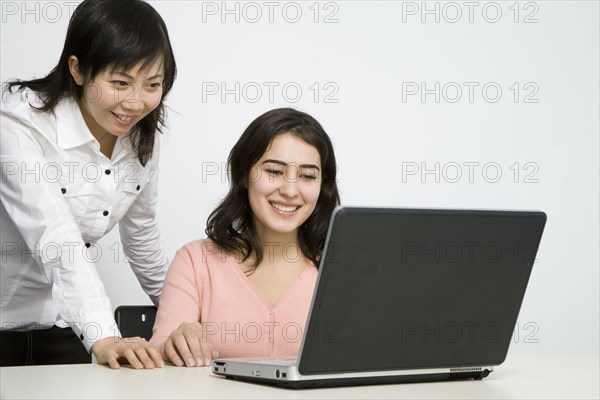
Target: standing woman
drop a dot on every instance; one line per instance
(79, 154)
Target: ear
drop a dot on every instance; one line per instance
(75, 71)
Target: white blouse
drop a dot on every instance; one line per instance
(59, 195)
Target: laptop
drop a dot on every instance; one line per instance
(408, 295)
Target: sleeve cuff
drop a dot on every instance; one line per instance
(94, 327)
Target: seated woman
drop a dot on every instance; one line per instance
(246, 290)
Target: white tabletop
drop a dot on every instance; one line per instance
(558, 377)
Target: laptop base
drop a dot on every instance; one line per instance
(374, 380)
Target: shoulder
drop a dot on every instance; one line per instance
(204, 260)
(21, 120)
(24, 107)
(22, 104)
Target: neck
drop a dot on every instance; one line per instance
(107, 144)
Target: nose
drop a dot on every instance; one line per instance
(289, 186)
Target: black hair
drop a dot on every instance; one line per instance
(230, 225)
(113, 34)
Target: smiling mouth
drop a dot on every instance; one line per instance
(282, 208)
(123, 118)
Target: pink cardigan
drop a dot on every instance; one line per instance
(206, 284)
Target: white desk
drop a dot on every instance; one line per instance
(560, 377)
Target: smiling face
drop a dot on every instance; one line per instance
(283, 187)
(114, 101)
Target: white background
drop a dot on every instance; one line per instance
(358, 65)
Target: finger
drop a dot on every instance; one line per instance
(152, 353)
(142, 355)
(195, 346)
(155, 355)
(112, 361)
(138, 345)
(131, 357)
(207, 350)
(171, 354)
(182, 346)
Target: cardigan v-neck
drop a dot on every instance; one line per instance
(254, 291)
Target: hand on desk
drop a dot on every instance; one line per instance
(189, 343)
(135, 351)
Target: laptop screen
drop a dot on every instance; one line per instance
(419, 288)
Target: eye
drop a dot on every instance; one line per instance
(155, 85)
(274, 171)
(309, 174)
(120, 84)
(309, 177)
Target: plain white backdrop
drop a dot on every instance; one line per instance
(429, 104)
